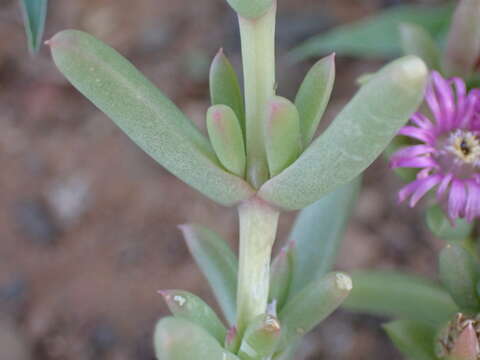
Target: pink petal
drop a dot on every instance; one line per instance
(414, 162)
(472, 208)
(425, 186)
(444, 185)
(407, 190)
(457, 200)
(417, 133)
(421, 121)
(432, 101)
(445, 97)
(461, 91)
(415, 150)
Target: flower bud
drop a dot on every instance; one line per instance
(460, 339)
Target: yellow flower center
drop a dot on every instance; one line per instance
(465, 145)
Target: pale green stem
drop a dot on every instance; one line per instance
(258, 53)
(258, 227)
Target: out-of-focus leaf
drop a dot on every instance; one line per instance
(217, 262)
(355, 138)
(224, 87)
(414, 339)
(179, 339)
(463, 43)
(312, 305)
(34, 14)
(440, 225)
(377, 36)
(226, 138)
(417, 41)
(141, 110)
(313, 96)
(460, 274)
(404, 296)
(187, 306)
(398, 142)
(318, 232)
(281, 134)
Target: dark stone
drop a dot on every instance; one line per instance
(36, 222)
(102, 338)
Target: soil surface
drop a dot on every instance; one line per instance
(88, 223)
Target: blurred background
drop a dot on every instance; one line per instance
(88, 223)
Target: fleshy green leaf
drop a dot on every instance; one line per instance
(404, 296)
(224, 87)
(354, 140)
(226, 138)
(375, 36)
(440, 225)
(179, 339)
(34, 14)
(151, 120)
(312, 305)
(190, 307)
(313, 96)
(318, 232)
(281, 274)
(281, 133)
(417, 41)
(414, 339)
(261, 338)
(460, 274)
(217, 262)
(463, 43)
(251, 8)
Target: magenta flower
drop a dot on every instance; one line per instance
(447, 150)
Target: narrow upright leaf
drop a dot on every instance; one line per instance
(354, 140)
(376, 36)
(313, 304)
(179, 339)
(414, 339)
(224, 87)
(313, 96)
(318, 232)
(226, 138)
(261, 338)
(250, 8)
(217, 262)
(151, 120)
(190, 307)
(463, 43)
(400, 295)
(281, 134)
(417, 41)
(460, 275)
(34, 14)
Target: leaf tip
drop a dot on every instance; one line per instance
(343, 282)
(413, 68)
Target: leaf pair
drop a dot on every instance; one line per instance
(356, 137)
(151, 120)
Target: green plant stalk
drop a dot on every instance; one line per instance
(258, 53)
(258, 227)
